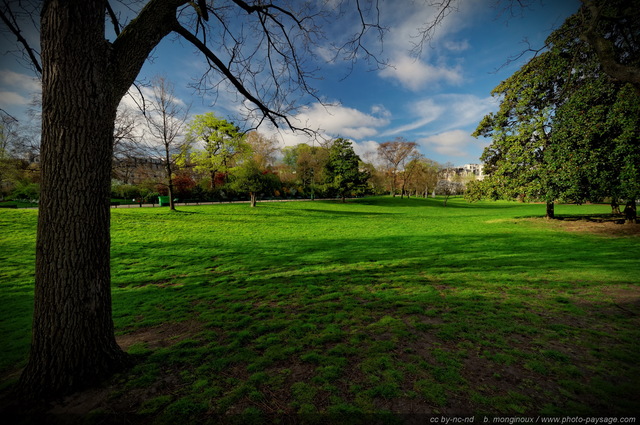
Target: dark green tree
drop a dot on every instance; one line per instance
(562, 130)
(595, 152)
(520, 132)
(342, 170)
(250, 178)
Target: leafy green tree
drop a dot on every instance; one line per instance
(309, 163)
(595, 152)
(220, 142)
(612, 29)
(520, 133)
(251, 178)
(561, 131)
(342, 170)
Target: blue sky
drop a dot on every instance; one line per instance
(435, 100)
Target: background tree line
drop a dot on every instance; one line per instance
(159, 151)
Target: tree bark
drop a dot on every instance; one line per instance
(84, 77)
(615, 207)
(550, 211)
(169, 172)
(630, 212)
(73, 343)
(253, 197)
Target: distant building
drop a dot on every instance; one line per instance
(135, 170)
(475, 170)
(465, 172)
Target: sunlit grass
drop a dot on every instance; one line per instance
(377, 305)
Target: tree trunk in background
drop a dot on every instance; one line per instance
(253, 196)
(169, 172)
(615, 207)
(73, 343)
(630, 212)
(550, 211)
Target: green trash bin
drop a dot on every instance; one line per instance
(163, 201)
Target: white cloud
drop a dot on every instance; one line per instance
(326, 54)
(380, 111)
(462, 110)
(457, 46)
(17, 90)
(366, 150)
(406, 20)
(342, 121)
(8, 98)
(453, 143)
(20, 82)
(445, 112)
(427, 112)
(415, 74)
(333, 121)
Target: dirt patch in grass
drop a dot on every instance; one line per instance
(609, 226)
(104, 398)
(161, 336)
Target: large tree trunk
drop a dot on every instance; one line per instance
(254, 198)
(630, 212)
(550, 211)
(615, 206)
(73, 343)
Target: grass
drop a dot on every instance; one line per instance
(377, 306)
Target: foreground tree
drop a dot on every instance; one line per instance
(520, 133)
(612, 29)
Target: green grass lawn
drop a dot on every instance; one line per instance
(380, 305)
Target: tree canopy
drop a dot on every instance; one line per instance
(343, 172)
(214, 143)
(563, 129)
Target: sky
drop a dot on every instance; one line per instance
(436, 99)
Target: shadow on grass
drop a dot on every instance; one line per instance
(507, 321)
(379, 324)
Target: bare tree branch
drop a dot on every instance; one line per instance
(10, 21)
(114, 19)
(425, 34)
(267, 112)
